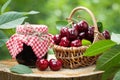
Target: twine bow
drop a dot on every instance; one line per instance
(30, 31)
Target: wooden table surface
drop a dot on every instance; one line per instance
(82, 73)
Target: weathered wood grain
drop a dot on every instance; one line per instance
(86, 73)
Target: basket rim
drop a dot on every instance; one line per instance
(70, 48)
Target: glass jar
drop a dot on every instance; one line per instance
(29, 43)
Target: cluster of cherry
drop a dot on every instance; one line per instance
(53, 64)
(72, 37)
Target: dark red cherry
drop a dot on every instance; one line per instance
(82, 26)
(82, 35)
(55, 65)
(106, 34)
(73, 33)
(64, 42)
(90, 32)
(64, 32)
(75, 25)
(56, 39)
(76, 43)
(42, 64)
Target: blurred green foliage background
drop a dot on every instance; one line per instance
(105, 11)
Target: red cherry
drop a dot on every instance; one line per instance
(82, 26)
(42, 64)
(60, 60)
(73, 33)
(76, 43)
(106, 34)
(64, 42)
(57, 39)
(75, 25)
(55, 65)
(82, 35)
(90, 34)
(64, 32)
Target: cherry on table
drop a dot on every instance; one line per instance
(42, 64)
(55, 65)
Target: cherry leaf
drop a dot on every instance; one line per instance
(21, 69)
(60, 24)
(99, 47)
(86, 42)
(5, 6)
(100, 26)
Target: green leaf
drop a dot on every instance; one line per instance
(9, 16)
(100, 26)
(2, 42)
(9, 32)
(3, 38)
(29, 13)
(21, 69)
(109, 59)
(115, 37)
(50, 51)
(117, 76)
(13, 23)
(86, 42)
(60, 24)
(2, 35)
(5, 6)
(23, 13)
(9, 20)
(99, 47)
(110, 72)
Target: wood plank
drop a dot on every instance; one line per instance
(82, 73)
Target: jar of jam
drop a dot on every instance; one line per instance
(29, 43)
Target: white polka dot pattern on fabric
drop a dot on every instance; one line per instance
(24, 34)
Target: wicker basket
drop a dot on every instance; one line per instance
(72, 57)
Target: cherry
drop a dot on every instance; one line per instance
(91, 32)
(55, 65)
(82, 35)
(42, 64)
(64, 32)
(82, 26)
(56, 39)
(75, 25)
(106, 34)
(76, 43)
(64, 42)
(73, 33)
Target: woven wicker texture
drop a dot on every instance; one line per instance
(72, 57)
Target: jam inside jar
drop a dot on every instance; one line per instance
(27, 56)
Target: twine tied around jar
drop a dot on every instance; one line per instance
(33, 35)
(30, 31)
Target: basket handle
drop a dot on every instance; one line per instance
(88, 11)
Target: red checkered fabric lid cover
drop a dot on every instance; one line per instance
(35, 36)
